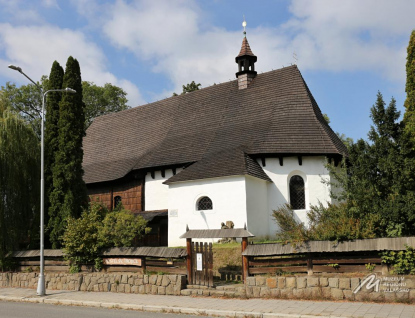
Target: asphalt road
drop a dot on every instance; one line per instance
(34, 310)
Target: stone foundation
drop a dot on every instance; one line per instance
(100, 282)
(372, 287)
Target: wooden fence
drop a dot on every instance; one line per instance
(310, 257)
(140, 259)
(316, 263)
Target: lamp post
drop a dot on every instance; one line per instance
(41, 291)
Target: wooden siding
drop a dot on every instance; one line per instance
(131, 193)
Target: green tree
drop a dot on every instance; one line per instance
(191, 87)
(51, 129)
(19, 184)
(101, 100)
(25, 100)
(409, 116)
(68, 197)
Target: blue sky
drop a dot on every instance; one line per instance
(347, 50)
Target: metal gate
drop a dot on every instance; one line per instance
(202, 264)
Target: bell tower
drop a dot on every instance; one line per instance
(246, 63)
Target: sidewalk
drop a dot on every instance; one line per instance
(209, 306)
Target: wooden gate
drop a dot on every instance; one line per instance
(202, 264)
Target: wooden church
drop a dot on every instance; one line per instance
(229, 152)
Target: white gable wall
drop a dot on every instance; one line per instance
(257, 206)
(156, 194)
(312, 171)
(228, 195)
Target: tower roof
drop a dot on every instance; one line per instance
(245, 49)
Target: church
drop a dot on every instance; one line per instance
(234, 151)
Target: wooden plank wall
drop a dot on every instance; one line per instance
(316, 263)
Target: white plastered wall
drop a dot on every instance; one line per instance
(155, 192)
(312, 171)
(228, 195)
(257, 206)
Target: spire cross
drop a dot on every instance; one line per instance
(244, 25)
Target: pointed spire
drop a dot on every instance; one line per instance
(187, 228)
(246, 62)
(245, 48)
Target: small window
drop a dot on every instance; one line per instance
(117, 201)
(204, 203)
(297, 193)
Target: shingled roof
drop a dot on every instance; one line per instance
(276, 115)
(245, 49)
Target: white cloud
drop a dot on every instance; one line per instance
(326, 35)
(35, 48)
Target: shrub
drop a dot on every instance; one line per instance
(326, 223)
(97, 228)
(403, 262)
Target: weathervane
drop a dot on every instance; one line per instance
(295, 58)
(244, 25)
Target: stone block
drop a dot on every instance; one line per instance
(264, 292)
(344, 283)
(249, 291)
(161, 290)
(298, 293)
(124, 279)
(250, 281)
(159, 280)
(121, 288)
(272, 282)
(256, 291)
(412, 294)
(165, 281)
(324, 281)
(142, 289)
(127, 288)
(260, 281)
(312, 281)
(290, 282)
(326, 292)
(131, 280)
(301, 282)
(152, 279)
(146, 279)
(281, 282)
(348, 294)
(169, 289)
(334, 282)
(148, 288)
(172, 278)
(177, 289)
(354, 282)
(337, 293)
(154, 290)
(286, 293)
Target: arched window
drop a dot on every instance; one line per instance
(117, 201)
(297, 193)
(204, 203)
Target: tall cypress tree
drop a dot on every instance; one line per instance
(409, 116)
(51, 129)
(68, 196)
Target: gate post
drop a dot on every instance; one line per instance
(245, 271)
(189, 260)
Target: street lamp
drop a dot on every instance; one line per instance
(41, 283)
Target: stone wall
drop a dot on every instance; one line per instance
(116, 282)
(372, 287)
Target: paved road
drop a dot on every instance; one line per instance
(30, 310)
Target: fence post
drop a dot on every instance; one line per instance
(189, 260)
(245, 270)
(309, 265)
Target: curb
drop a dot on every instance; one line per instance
(159, 309)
